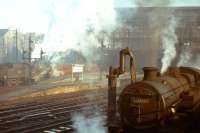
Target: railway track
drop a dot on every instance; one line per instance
(50, 114)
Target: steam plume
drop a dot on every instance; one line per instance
(189, 57)
(190, 62)
(162, 24)
(169, 40)
(83, 124)
(78, 25)
(91, 120)
(185, 56)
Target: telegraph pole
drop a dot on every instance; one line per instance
(102, 59)
(29, 59)
(16, 42)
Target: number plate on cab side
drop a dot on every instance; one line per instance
(138, 100)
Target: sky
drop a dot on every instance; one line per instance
(129, 3)
(34, 15)
(27, 15)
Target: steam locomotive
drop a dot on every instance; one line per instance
(157, 97)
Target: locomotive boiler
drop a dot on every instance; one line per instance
(156, 97)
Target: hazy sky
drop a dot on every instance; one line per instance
(129, 3)
(33, 15)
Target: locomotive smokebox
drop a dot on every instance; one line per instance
(150, 73)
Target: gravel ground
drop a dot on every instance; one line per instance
(10, 93)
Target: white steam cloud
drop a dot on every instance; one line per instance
(78, 25)
(83, 124)
(91, 119)
(188, 56)
(194, 63)
(169, 41)
(185, 55)
(186, 60)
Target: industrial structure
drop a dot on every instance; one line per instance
(15, 56)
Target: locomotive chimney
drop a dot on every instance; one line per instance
(150, 73)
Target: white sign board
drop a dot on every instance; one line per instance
(77, 68)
